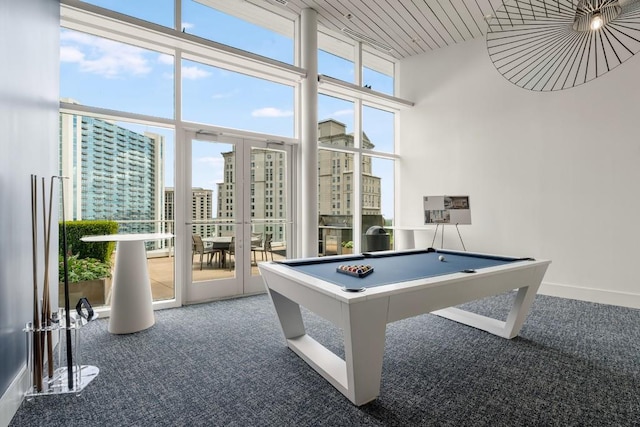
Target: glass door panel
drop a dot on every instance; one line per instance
(213, 214)
(236, 215)
(268, 209)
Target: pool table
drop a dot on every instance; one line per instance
(402, 284)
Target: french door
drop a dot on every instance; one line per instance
(236, 205)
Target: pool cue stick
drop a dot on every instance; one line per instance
(43, 301)
(67, 316)
(46, 298)
(37, 347)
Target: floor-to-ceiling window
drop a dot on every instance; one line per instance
(356, 138)
(236, 100)
(119, 167)
(268, 35)
(376, 179)
(137, 75)
(129, 90)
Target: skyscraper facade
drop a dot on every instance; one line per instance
(335, 174)
(201, 210)
(268, 192)
(114, 173)
(335, 187)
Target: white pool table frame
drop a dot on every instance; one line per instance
(363, 316)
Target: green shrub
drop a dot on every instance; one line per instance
(348, 244)
(99, 250)
(83, 269)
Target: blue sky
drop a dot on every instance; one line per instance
(103, 73)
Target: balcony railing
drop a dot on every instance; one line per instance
(161, 253)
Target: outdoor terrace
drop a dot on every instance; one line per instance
(161, 272)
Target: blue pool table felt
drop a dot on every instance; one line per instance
(394, 267)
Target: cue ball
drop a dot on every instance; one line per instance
(441, 257)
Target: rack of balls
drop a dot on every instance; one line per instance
(355, 270)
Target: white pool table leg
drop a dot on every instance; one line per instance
(364, 338)
(358, 375)
(520, 310)
(508, 329)
(131, 300)
(289, 315)
(320, 358)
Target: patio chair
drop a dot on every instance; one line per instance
(262, 246)
(200, 248)
(231, 250)
(267, 246)
(256, 245)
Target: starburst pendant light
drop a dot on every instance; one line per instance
(546, 45)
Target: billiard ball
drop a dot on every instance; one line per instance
(441, 257)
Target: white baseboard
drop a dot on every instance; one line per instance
(12, 398)
(601, 296)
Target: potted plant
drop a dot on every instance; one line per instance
(88, 277)
(347, 247)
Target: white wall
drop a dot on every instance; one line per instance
(552, 175)
(29, 80)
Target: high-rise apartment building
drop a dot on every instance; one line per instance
(335, 174)
(201, 210)
(268, 192)
(336, 201)
(335, 184)
(335, 179)
(226, 193)
(114, 173)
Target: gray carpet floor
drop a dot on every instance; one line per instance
(225, 364)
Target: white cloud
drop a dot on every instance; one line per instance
(187, 25)
(163, 58)
(194, 73)
(271, 112)
(101, 56)
(70, 54)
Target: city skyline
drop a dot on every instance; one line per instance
(107, 163)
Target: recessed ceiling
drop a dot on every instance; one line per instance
(407, 27)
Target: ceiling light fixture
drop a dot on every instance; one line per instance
(544, 45)
(592, 15)
(596, 21)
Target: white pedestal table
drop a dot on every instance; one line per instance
(131, 300)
